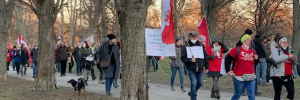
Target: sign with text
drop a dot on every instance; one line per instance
(155, 46)
(195, 51)
(90, 39)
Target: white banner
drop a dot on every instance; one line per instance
(195, 51)
(155, 46)
(90, 39)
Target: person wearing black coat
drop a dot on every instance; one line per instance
(34, 57)
(24, 59)
(75, 53)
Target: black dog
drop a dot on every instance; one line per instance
(77, 85)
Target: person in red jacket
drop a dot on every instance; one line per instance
(8, 57)
(215, 52)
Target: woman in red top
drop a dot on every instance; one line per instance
(283, 73)
(243, 72)
(8, 58)
(215, 57)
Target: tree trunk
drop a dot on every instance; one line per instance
(6, 11)
(132, 22)
(71, 22)
(117, 21)
(103, 21)
(296, 26)
(62, 24)
(45, 79)
(21, 20)
(175, 18)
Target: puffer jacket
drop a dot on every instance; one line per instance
(176, 62)
(279, 57)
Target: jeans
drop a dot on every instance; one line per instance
(78, 69)
(155, 64)
(23, 69)
(261, 67)
(240, 86)
(63, 64)
(58, 66)
(215, 83)
(34, 68)
(92, 69)
(196, 79)
(289, 85)
(14, 65)
(109, 80)
(181, 72)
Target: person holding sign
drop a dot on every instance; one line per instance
(195, 63)
(215, 52)
(242, 71)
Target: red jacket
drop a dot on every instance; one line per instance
(215, 64)
(8, 57)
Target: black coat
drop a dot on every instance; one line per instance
(34, 55)
(260, 48)
(75, 53)
(24, 57)
(202, 63)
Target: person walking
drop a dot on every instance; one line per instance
(284, 72)
(34, 57)
(195, 66)
(110, 48)
(16, 54)
(242, 71)
(70, 59)
(8, 58)
(92, 61)
(261, 66)
(13, 59)
(101, 79)
(155, 60)
(215, 56)
(85, 53)
(24, 59)
(75, 53)
(62, 55)
(177, 64)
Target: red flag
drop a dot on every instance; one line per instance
(167, 22)
(27, 48)
(203, 32)
(59, 37)
(19, 38)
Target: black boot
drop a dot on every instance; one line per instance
(213, 94)
(217, 94)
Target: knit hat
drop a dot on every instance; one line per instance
(248, 31)
(282, 39)
(246, 36)
(111, 36)
(193, 34)
(178, 39)
(278, 36)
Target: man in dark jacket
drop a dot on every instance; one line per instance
(111, 72)
(34, 57)
(75, 53)
(24, 59)
(262, 53)
(195, 66)
(62, 54)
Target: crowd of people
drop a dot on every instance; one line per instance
(251, 63)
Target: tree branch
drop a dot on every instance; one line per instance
(30, 6)
(222, 3)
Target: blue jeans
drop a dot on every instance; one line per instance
(240, 86)
(34, 68)
(14, 65)
(58, 66)
(181, 72)
(109, 80)
(261, 67)
(196, 79)
(78, 67)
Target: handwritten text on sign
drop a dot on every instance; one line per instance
(195, 51)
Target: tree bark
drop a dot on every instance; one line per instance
(103, 21)
(132, 22)
(71, 22)
(6, 11)
(21, 20)
(62, 24)
(296, 27)
(175, 18)
(117, 20)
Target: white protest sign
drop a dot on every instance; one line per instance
(90, 39)
(155, 46)
(195, 51)
(223, 71)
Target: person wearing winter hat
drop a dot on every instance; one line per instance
(249, 32)
(215, 52)
(274, 43)
(34, 56)
(261, 67)
(112, 72)
(284, 72)
(242, 70)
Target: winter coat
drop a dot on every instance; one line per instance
(260, 48)
(62, 53)
(202, 63)
(268, 48)
(83, 52)
(24, 57)
(8, 58)
(75, 53)
(280, 59)
(176, 62)
(215, 63)
(103, 52)
(34, 55)
(16, 54)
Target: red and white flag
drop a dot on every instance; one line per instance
(21, 40)
(59, 37)
(203, 32)
(167, 24)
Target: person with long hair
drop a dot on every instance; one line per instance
(242, 71)
(85, 53)
(70, 59)
(24, 59)
(284, 72)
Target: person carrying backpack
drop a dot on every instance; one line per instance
(284, 72)
(261, 67)
(242, 71)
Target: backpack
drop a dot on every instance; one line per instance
(271, 61)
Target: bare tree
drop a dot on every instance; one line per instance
(210, 8)
(296, 26)
(132, 22)
(19, 10)
(6, 11)
(46, 11)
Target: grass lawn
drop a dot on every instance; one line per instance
(19, 89)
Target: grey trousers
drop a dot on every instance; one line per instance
(215, 83)
(23, 69)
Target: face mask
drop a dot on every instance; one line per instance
(79, 46)
(84, 45)
(284, 47)
(36, 47)
(18, 48)
(193, 41)
(246, 46)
